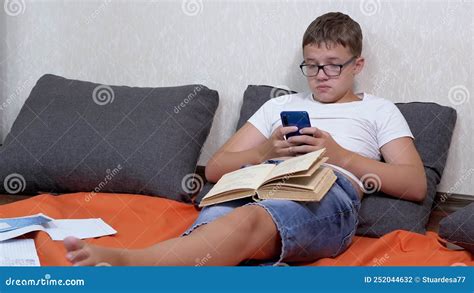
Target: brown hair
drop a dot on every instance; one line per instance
(335, 28)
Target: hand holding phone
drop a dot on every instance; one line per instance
(299, 119)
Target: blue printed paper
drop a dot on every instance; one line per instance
(8, 224)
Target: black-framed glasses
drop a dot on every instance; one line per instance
(331, 70)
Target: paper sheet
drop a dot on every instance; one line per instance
(18, 252)
(7, 224)
(60, 229)
(80, 228)
(18, 232)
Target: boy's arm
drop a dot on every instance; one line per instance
(247, 146)
(402, 175)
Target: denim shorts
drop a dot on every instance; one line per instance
(308, 230)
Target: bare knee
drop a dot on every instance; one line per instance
(259, 234)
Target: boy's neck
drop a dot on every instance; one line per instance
(347, 98)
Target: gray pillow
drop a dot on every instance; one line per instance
(432, 126)
(380, 213)
(75, 136)
(458, 227)
(254, 97)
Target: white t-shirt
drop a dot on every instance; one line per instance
(360, 126)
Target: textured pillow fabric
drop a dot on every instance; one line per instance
(74, 136)
(255, 96)
(458, 227)
(380, 213)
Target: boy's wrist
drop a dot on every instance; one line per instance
(345, 158)
(264, 152)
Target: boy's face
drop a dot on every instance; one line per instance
(332, 89)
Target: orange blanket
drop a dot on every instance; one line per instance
(143, 220)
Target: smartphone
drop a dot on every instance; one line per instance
(295, 118)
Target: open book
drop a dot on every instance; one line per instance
(300, 178)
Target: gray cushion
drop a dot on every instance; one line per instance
(254, 97)
(432, 126)
(458, 227)
(380, 213)
(74, 136)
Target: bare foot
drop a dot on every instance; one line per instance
(79, 253)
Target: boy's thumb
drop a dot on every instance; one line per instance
(318, 133)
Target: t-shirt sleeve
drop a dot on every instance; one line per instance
(261, 120)
(391, 124)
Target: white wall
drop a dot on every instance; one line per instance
(415, 51)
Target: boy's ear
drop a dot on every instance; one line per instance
(359, 65)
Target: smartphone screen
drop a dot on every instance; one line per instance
(295, 118)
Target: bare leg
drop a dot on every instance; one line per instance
(246, 233)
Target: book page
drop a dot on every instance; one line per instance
(247, 178)
(296, 164)
(307, 182)
(327, 179)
